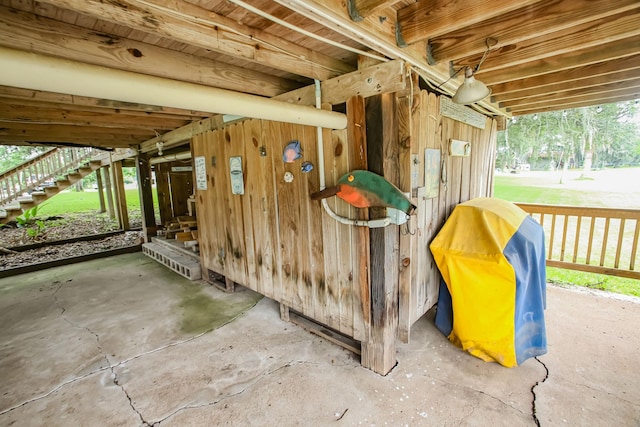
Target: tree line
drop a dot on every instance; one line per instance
(600, 136)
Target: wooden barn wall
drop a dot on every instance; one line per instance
(274, 239)
(422, 127)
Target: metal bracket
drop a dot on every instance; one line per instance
(430, 59)
(399, 39)
(353, 11)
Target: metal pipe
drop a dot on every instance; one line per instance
(38, 72)
(170, 157)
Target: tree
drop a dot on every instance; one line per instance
(13, 155)
(605, 135)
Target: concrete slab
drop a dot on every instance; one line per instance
(125, 342)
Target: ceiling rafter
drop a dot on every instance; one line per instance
(198, 27)
(576, 58)
(568, 76)
(588, 82)
(583, 36)
(540, 18)
(427, 19)
(25, 31)
(575, 103)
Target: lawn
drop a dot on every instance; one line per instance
(83, 201)
(607, 188)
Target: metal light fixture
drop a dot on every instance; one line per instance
(472, 90)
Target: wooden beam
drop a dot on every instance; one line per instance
(121, 198)
(19, 96)
(387, 77)
(537, 19)
(190, 24)
(595, 92)
(21, 30)
(100, 191)
(628, 63)
(68, 117)
(378, 33)
(566, 104)
(143, 169)
(577, 58)
(590, 82)
(109, 189)
(79, 140)
(427, 19)
(360, 9)
(379, 352)
(585, 36)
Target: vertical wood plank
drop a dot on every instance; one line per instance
(121, 200)
(605, 238)
(164, 194)
(407, 144)
(360, 274)
(100, 191)
(620, 238)
(236, 247)
(576, 245)
(109, 190)
(143, 169)
(378, 353)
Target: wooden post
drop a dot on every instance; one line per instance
(164, 193)
(379, 352)
(121, 199)
(143, 169)
(109, 190)
(100, 193)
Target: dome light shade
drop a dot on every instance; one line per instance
(471, 90)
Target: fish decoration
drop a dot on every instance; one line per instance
(306, 167)
(364, 189)
(292, 152)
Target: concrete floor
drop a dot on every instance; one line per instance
(124, 341)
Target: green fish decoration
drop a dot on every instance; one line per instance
(364, 189)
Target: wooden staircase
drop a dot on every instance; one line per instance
(42, 177)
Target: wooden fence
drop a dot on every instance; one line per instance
(597, 240)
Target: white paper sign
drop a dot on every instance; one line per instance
(201, 173)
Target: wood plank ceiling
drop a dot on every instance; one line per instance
(545, 54)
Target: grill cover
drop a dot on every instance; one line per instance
(493, 291)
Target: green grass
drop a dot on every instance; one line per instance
(517, 189)
(511, 189)
(83, 201)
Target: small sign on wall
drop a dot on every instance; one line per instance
(237, 178)
(459, 148)
(201, 173)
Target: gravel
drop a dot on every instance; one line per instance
(68, 226)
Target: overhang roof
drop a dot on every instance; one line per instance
(547, 55)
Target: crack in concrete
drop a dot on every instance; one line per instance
(110, 366)
(465, 387)
(533, 402)
(249, 385)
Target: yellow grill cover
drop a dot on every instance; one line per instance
(491, 257)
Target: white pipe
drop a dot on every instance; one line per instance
(170, 157)
(305, 32)
(374, 223)
(37, 72)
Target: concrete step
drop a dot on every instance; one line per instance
(182, 264)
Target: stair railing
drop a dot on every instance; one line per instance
(39, 170)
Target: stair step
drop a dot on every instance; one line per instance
(183, 265)
(38, 193)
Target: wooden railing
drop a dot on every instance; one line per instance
(40, 169)
(597, 240)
